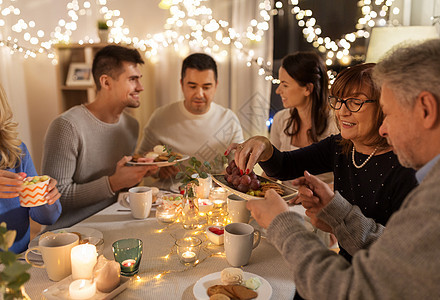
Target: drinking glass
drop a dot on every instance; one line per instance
(128, 253)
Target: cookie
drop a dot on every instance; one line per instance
(219, 297)
(243, 293)
(219, 289)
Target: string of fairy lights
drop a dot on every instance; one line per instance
(191, 26)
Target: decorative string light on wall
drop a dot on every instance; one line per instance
(191, 26)
(373, 14)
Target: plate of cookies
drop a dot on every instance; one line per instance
(217, 286)
(160, 156)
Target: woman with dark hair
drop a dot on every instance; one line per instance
(303, 88)
(366, 171)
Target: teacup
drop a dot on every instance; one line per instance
(55, 250)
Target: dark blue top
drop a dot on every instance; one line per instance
(378, 188)
(17, 217)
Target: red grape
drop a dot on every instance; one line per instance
(243, 188)
(245, 179)
(236, 180)
(255, 184)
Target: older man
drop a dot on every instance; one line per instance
(87, 147)
(401, 261)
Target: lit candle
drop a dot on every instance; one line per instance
(205, 205)
(128, 265)
(188, 256)
(165, 214)
(82, 289)
(83, 259)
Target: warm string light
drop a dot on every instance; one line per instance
(190, 26)
(339, 49)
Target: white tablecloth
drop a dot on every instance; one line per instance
(176, 280)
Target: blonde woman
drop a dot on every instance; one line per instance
(15, 165)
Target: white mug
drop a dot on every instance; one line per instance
(238, 213)
(55, 250)
(139, 200)
(240, 240)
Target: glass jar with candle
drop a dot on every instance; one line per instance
(218, 196)
(166, 214)
(188, 249)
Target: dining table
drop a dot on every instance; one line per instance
(161, 274)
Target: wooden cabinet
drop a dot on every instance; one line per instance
(70, 95)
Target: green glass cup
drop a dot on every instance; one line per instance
(128, 253)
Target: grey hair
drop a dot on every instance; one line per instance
(410, 69)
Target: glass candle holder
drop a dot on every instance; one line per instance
(218, 218)
(166, 214)
(188, 249)
(128, 254)
(218, 196)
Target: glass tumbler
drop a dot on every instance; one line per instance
(128, 253)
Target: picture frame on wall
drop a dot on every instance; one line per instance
(79, 74)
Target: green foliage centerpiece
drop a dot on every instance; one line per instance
(13, 275)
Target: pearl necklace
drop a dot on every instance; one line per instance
(363, 164)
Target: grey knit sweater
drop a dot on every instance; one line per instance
(399, 262)
(80, 151)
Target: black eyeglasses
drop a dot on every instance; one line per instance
(352, 104)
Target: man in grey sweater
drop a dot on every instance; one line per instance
(400, 261)
(86, 148)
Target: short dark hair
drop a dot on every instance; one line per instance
(199, 61)
(109, 61)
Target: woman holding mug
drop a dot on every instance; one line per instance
(15, 165)
(366, 171)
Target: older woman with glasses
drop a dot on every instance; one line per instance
(366, 171)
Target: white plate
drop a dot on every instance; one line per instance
(159, 163)
(84, 231)
(60, 290)
(289, 192)
(202, 285)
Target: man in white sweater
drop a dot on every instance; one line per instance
(86, 148)
(195, 126)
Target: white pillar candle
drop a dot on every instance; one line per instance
(82, 289)
(83, 259)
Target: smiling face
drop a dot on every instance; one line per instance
(198, 89)
(127, 86)
(357, 126)
(400, 129)
(292, 94)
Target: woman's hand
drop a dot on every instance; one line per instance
(250, 152)
(53, 194)
(10, 184)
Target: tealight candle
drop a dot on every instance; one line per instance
(128, 265)
(165, 214)
(83, 259)
(205, 205)
(82, 289)
(188, 256)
